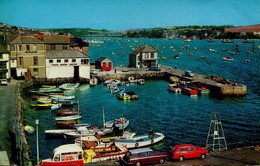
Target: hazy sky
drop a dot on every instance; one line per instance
(128, 14)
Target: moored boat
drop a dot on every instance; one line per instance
(66, 124)
(44, 101)
(69, 86)
(131, 79)
(57, 132)
(93, 82)
(189, 91)
(227, 59)
(174, 88)
(68, 112)
(42, 106)
(132, 95)
(66, 104)
(174, 79)
(123, 96)
(141, 81)
(56, 107)
(62, 97)
(29, 129)
(118, 123)
(72, 117)
(88, 131)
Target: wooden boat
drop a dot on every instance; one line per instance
(69, 86)
(227, 59)
(62, 97)
(57, 132)
(132, 95)
(72, 117)
(88, 131)
(49, 86)
(176, 56)
(190, 53)
(131, 79)
(67, 101)
(29, 129)
(42, 106)
(44, 101)
(203, 57)
(56, 107)
(224, 49)
(93, 82)
(141, 81)
(202, 90)
(174, 79)
(50, 91)
(140, 140)
(66, 124)
(189, 91)
(118, 123)
(164, 58)
(65, 104)
(123, 96)
(174, 88)
(68, 112)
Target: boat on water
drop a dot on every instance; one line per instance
(57, 132)
(202, 90)
(224, 49)
(131, 79)
(174, 88)
(203, 57)
(174, 79)
(190, 53)
(94, 41)
(164, 58)
(56, 107)
(123, 96)
(66, 124)
(120, 123)
(44, 101)
(140, 140)
(88, 131)
(227, 59)
(227, 41)
(189, 91)
(29, 129)
(42, 106)
(48, 87)
(69, 86)
(212, 50)
(140, 81)
(247, 41)
(132, 95)
(187, 40)
(66, 103)
(176, 56)
(72, 117)
(62, 97)
(93, 82)
(50, 91)
(67, 112)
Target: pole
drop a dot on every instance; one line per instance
(78, 113)
(103, 117)
(123, 124)
(37, 123)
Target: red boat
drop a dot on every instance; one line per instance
(66, 104)
(67, 112)
(189, 91)
(66, 124)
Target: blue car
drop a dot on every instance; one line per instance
(155, 69)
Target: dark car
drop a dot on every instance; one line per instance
(143, 156)
(155, 69)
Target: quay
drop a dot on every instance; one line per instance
(217, 86)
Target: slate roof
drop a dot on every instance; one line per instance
(65, 54)
(145, 49)
(3, 50)
(56, 39)
(101, 59)
(26, 39)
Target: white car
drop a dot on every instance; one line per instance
(3, 82)
(189, 74)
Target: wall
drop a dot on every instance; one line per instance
(67, 71)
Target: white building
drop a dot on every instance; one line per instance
(67, 63)
(5, 71)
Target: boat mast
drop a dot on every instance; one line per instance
(78, 113)
(123, 123)
(103, 117)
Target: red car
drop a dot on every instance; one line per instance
(187, 151)
(143, 156)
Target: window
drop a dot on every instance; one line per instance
(58, 61)
(12, 48)
(35, 60)
(150, 153)
(66, 60)
(183, 149)
(20, 61)
(57, 158)
(138, 58)
(65, 47)
(20, 48)
(50, 61)
(135, 155)
(73, 60)
(146, 55)
(35, 47)
(27, 47)
(142, 154)
(53, 47)
(152, 55)
(1, 56)
(191, 148)
(35, 70)
(84, 61)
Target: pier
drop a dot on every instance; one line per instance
(217, 86)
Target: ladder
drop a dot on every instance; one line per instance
(216, 138)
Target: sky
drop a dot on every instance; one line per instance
(128, 14)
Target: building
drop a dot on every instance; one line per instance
(144, 57)
(79, 45)
(103, 64)
(5, 71)
(244, 29)
(56, 42)
(67, 63)
(27, 52)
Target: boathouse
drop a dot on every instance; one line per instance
(67, 63)
(143, 57)
(103, 64)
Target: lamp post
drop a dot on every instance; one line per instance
(37, 123)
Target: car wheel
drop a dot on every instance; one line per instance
(202, 156)
(138, 164)
(162, 161)
(181, 158)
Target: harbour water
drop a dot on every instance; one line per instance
(181, 118)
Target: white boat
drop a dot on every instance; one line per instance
(140, 141)
(57, 132)
(69, 86)
(131, 80)
(44, 101)
(93, 82)
(118, 123)
(56, 107)
(174, 88)
(83, 131)
(29, 129)
(94, 41)
(60, 97)
(73, 117)
(141, 81)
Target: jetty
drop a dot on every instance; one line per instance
(217, 86)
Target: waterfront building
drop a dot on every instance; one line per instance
(56, 42)
(103, 63)
(143, 57)
(27, 51)
(67, 63)
(79, 45)
(5, 71)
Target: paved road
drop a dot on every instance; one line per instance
(7, 112)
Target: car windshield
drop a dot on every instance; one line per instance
(173, 149)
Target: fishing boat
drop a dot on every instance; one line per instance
(44, 101)
(123, 96)
(66, 124)
(29, 129)
(69, 86)
(141, 81)
(202, 90)
(174, 79)
(56, 107)
(118, 123)
(140, 140)
(189, 91)
(93, 82)
(174, 88)
(42, 106)
(72, 117)
(132, 95)
(67, 112)
(88, 131)
(227, 59)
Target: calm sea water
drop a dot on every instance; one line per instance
(181, 118)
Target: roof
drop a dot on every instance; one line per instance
(65, 54)
(26, 39)
(144, 49)
(56, 39)
(67, 148)
(3, 50)
(102, 59)
(140, 150)
(183, 145)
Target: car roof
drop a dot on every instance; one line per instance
(183, 145)
(140, 150)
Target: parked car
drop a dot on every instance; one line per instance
(189, 74)
(154, 69)
(3, 82)
(187, 151)
(143, 156)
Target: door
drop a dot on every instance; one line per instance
(76, 73)
(110, 65)
(104, 64)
